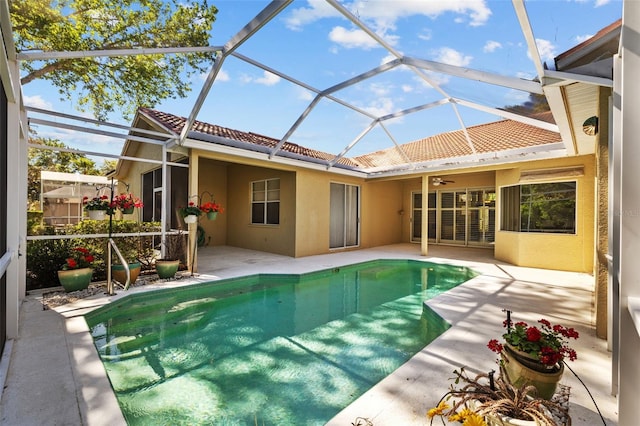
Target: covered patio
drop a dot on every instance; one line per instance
(72, 388)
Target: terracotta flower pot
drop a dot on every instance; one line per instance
(119, 274)
(75, 279)
(167, 268)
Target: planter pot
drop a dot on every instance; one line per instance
(520, 371)
(500, 420)
(212, 215)
(97, 214)
(192, 218)
(127, 211)
(167, 268)
(75, 279)
(119, 274)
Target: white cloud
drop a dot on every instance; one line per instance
(379, 90)
(602, 2)
(425, 35)
(352, 38)
(37, 102)
(268, 79)
(382, 18)
(581, 38)
(491, 46)
(222, 76)
(380, 107)
(317, 9)
(406, 88)
(546, 49)
(451, 56)
(304, 94)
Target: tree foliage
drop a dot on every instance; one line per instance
(102, 84)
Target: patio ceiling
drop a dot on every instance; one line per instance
(464, 95)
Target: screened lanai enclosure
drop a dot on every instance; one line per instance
(345, 88)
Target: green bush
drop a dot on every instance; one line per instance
(45, 257)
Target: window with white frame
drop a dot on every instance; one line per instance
(539, 207)
(265, 202)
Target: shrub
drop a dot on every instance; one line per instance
(46, 257)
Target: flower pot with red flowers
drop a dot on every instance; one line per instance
(211, 209)
(190, 213)
(126, 203)
(76, 273)
(534, 354)
(97, 207)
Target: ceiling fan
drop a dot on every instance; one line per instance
(437, 181)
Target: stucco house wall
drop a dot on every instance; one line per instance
(567, 252)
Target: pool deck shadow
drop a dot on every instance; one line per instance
(54, 375)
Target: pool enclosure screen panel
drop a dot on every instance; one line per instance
(344, 208)
(3, 211)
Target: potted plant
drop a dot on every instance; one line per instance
(167, 266)
(488, 401)
(126, 203)
(211, 209)
(190, 213)
(97, 207)
(535, 354)
(76, 272)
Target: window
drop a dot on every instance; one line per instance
(265, 202)
(178, 183)
(541, 207)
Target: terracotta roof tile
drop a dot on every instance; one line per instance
(175, 124)
(490, 137)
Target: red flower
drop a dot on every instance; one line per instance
(79, 257)
(495, 346)
(533, 334)
(547, 343)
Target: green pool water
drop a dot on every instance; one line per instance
(268, 349)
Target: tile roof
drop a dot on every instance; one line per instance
(487, 138)
(175, 124)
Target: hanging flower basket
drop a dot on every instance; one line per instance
(212, 215)
(192, 218)
(97, 214)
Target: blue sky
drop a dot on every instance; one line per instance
(313, 43)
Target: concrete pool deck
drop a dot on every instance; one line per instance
(54, 375)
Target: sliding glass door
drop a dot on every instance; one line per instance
(464, 217)
(344, 216)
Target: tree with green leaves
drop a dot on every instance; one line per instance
(102, 84)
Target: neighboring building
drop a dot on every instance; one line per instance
(61, 195)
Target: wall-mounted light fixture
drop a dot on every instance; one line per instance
(590, 126)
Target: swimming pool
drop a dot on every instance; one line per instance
(268, 349)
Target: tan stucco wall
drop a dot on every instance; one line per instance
(380, 222)
(279, 239)
(212, 186)
(552, 251)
